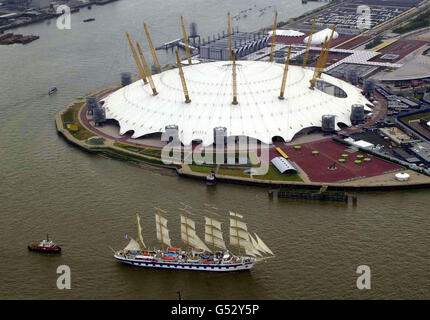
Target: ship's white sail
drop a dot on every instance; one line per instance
(189, 236)
(262, 245)
(213, 233)
(239, 237)
(233, 214)
(255, 245)
(139, 231)
(133, 245)
(162, 231)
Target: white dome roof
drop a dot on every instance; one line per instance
(259, 114)
(319, 37)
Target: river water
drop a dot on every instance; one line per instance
(88, 203)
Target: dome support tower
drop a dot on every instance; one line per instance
(272, 49)
(181, 74)
(305, 59)
(284, 78)
(154, 56)
(187, 48)
(319, 65)
(326, 52)
(234, 79)
(148, 72)
(139, 65)
(229, 35)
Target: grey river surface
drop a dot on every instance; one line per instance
(88, 203)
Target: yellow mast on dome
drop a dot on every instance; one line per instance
(139, 65)
(308, 46)
(148, 72)
(187, 48)
(272, 49)
(284, 78)
(181, 74)
(229, 36)
(154, 56)
(234, 79)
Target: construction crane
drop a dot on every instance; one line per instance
(326, 52)
(305, 59)
(139, 65)
(234, 79)
(181, 74)
(148, 72)
(319, 64)
(229, 35)
(272, 49)
(284, 78)
(187, 48)
(154, 56)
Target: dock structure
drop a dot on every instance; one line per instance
(321, 195)
(169, 45)
(178, 43)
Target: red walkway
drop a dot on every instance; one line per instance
(316, 166)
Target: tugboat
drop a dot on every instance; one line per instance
(211, 179)
(208, 255)
(52, 90)
(45, 246)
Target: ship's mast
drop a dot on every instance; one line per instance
(160, 226)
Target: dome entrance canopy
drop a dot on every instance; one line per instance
(259, 113)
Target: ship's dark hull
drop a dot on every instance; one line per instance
(36, 248)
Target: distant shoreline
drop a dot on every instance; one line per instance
(48, 16)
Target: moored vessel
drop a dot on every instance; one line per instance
(211, 179)
(209, 255)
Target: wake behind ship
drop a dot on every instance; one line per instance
(199, 257)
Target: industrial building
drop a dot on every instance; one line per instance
(242, 44)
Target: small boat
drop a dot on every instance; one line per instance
(52, 90)
(45, 246)
(211, 179)
(90, 19)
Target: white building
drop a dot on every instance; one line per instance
(259, 114)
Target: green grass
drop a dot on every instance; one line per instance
(415, 117)
(420, 21)
(234, 172)
(202, 169)
(71, 115)
(274, 174)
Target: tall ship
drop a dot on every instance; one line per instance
(208, 255)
